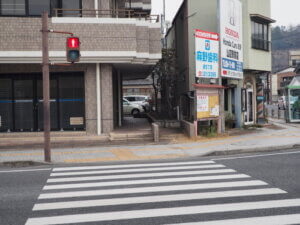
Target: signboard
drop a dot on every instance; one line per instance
(202, 103)
(76, 121)
(207, 54)
(231, 38)
(207, 106)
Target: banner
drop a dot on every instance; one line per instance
(207, 54)
(231, 38)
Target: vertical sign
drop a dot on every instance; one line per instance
(207, 54)
(231, 38)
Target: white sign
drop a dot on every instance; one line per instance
(202, 103)
(231, 38)
(207, 54)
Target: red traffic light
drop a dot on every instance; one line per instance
(73, 42)
(73, 49)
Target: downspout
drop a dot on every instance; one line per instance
(96, 3)
(99, 108)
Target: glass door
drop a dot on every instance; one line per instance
(249, 116)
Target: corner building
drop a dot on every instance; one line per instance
(243, 97)
(119, 40)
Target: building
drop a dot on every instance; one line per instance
(138, 87)
(294, 58)
(280, 80)
(243, 96)
(119, 40)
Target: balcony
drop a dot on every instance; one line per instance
(120, 13)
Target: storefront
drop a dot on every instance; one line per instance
(21, 104)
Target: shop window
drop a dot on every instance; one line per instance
(260, 36)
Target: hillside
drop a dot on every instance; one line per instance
(283, 40)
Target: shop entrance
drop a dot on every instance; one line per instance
(21, 102)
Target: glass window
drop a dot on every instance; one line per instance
(260, 35)
(69, 5)
(37, 7)
(13, 7)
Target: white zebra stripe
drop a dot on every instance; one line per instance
(148, 181)
(143, 175)
(161, 212)
(151, 189)
(130, 166)
(156, 198)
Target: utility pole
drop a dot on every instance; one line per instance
(46, 91)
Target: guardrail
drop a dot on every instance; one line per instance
(120, 13)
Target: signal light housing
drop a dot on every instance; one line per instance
(73, 49)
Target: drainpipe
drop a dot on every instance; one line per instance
(98, 87)
(120, 101)
(96, 3)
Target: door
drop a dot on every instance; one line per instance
(24, 104)
(249, 116)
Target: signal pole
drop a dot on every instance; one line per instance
(46, 89)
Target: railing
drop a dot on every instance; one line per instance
(120, 13)
(261, 44)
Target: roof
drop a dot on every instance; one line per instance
(295, 83)
(208, 86)
(137, 82)
(286, 70)
(262, 18)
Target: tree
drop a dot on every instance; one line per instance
(164, 76)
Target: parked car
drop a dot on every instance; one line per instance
(130, 108)
(282, 102)
(142, 100)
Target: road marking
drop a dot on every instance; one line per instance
(256, 156)
(20, 171)
(156, 198)
(152, 189)
(266, 220)
(162, 212)
(124, 176)
(130, 166)
(137, 170)
(148, 181)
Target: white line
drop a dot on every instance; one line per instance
(124, 176)
(151, 189)
(156, 198)
(131, 166)
(136, 170)
(148, 181)
(161, 212)
(256, 156)
(20, 171)
(266, 220)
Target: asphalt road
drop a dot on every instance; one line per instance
(239, 189)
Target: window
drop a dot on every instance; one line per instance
(260, 36)
(37, 7)
(12, 7)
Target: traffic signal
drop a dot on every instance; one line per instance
(73, 49)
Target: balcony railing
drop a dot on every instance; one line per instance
(120, 13)
(261, 44)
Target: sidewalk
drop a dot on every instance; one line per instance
(276, 136)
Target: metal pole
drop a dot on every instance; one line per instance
(46, 92)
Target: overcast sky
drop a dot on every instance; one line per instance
(285, 12)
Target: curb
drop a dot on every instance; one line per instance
(250, 150)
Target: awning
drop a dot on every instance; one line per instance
(261, 18)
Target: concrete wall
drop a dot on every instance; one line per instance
(255, 59)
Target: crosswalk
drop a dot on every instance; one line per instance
(187, 193)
